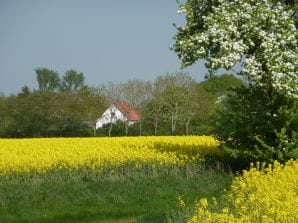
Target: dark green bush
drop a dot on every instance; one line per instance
(258, 124)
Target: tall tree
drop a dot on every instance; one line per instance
(48, 80)
(3, 114)
(154, 108)
(93, 105)
(170, 103)
(26, 118)
(260, 35)
(136, 94)
(211, 92)
(72, 81)
(111, 93)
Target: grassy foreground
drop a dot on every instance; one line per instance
(91, 180)
(140, 196)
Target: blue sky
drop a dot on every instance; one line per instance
(111, 40)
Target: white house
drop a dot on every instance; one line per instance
(118, 111)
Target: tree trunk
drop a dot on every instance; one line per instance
(187, 125)
(140, 128)
(110, 129)
(94, 129)
(174, 119)
(111, 123)
(173, 124)
(126, 128)
(155, 125)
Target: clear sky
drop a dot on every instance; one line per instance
(106, 40)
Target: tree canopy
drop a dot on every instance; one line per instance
(259, 34)
(72, 81)
(259, 120)
(48, 80)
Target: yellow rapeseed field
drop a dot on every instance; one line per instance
(44, 154)
(260, 195)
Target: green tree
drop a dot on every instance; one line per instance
(260, 35)
(254, 128)
(3, 114)
(93, 105)
(23, 118)
(210, 93)
(154, 109)
(72, 81)
(220, 85)
(48, 80)
(172, 103)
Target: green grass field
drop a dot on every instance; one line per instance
(88, 197)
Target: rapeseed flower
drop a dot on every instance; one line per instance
(45, 154)
(260, 195)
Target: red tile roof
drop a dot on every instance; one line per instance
(128, 112)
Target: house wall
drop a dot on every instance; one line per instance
(107, 117)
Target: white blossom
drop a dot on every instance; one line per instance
(234, 30)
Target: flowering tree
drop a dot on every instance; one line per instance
(260, 120)
(259, 34)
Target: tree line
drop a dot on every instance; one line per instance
(64, 106)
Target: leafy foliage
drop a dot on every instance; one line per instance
(72, 81)
(48, 80)
(255, 127)
(258, 121)
(174, 104)
(259, 34)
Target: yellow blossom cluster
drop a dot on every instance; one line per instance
(44, 154)
(260, 195)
